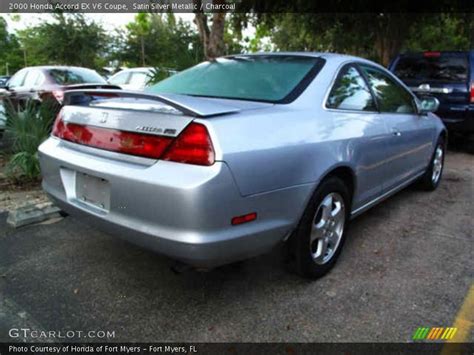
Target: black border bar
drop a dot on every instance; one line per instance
(236, 348)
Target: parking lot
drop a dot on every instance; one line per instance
(407, 263)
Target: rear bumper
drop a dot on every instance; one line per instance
(182, 211)
(461, 121)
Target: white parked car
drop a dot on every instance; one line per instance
(135, 78)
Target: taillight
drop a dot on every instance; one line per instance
(145, 145)
(192, 146)
(472, 93)
(432, 54)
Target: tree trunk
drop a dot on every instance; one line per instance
(392, 30)
(142, 45)
(212, 38)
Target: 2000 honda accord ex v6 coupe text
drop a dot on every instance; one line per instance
(223, 161)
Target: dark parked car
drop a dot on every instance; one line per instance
(40, 83)
(4, 80)
(448, 76)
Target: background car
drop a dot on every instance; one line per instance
(42, 82)
(227, 159)
(448, 76)
(136, 78)
(3, 80)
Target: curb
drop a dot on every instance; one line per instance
(33, 213)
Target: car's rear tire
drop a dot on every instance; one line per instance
(432, 177)
(318, 240)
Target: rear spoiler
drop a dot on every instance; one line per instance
(188, 105)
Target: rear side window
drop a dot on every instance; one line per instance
(120, 78)
(390, 95)
(17, 79)
(139, 78)
(75, 76)
(350, 92)
(452, 68)
(32, 77)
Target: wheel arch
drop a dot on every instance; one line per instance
(346, 174)
(342, 171)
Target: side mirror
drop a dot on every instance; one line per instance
(428, 104)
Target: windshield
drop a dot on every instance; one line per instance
(271, 78)
(443, 68)
(75, 76)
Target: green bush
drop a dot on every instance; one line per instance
(157, 74)
(26, 128)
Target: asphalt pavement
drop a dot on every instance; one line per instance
(407, 263)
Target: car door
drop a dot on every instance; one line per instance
(15, 87)
(355, 114)
(410, 145)
(29, 89)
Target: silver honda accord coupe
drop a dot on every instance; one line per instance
(227, 159)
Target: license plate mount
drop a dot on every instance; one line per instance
(93, 191)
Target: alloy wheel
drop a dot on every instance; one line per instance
(327, 228)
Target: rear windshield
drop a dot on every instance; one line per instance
(442, 68)
(258, 78)
(75, 76)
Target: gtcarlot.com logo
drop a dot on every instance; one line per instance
(434, 333)
(28, 333)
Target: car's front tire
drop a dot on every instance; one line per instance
(318, 240)
(432, 177)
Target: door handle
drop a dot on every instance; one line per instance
(396, 132)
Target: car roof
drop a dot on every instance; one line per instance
(49, 67)
(334, 57)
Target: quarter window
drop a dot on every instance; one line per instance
(350, 92)
(139, 78)
(120, 79)
(31, 78)
(17, 79)
(391, 97)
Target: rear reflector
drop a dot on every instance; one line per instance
(192, 146)
(472, 93)
(244, 219)
(144, 145)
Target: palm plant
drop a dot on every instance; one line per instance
(157, 74)
(27, 127)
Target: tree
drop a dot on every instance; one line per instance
(67, 39)
(212, 38)
(11, 56)
(377, 36)
(442, 32)
(158, 40)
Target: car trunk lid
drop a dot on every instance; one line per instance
(141, 124)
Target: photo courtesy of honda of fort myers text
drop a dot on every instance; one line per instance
(246, 177)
